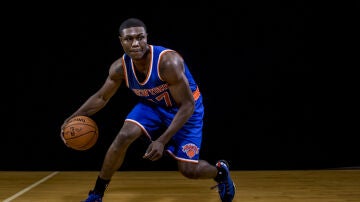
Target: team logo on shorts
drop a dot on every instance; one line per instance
(190, 149)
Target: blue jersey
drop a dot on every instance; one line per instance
(153, 88)
(157, 108)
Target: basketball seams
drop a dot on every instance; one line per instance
(92, 131)
(81, 124)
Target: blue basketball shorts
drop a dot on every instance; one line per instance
(186, 143)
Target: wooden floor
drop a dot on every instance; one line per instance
(170, 186)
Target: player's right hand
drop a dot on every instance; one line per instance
(62, 131)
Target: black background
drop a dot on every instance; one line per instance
(254, 64)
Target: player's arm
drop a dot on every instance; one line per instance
(98, 100)
(172, 71)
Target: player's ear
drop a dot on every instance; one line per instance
(121, 39)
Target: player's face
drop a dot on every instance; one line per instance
(134, 42)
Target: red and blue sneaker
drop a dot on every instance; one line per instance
(226, 186)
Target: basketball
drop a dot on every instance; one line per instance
(80, 133)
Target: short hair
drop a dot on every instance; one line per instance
(131, 22)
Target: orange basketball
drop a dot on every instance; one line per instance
(80, 133)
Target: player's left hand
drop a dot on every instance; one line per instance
(154, 151)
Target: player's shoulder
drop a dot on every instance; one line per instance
(168, 57)
(116, 67)
(118, 63)
(162, 50)
(171, 58)
(167, 54)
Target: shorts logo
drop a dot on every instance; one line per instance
(190, 149)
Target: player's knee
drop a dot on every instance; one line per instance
(124, 138)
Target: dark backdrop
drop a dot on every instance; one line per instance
(253, 63)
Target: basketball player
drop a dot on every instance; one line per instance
(170, 101)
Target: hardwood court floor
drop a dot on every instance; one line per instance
(170, 186)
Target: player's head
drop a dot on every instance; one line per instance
(131, 22)
(133, 38)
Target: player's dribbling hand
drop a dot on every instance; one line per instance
(62, 131)
(154, 151)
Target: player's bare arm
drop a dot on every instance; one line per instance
(98, 100)
(172, 71)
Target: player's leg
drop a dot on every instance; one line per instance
(114, 159)
(200, 170)
(186, 151)
(203, 170)
(185, 147)
(117, 150)
(142, 120)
